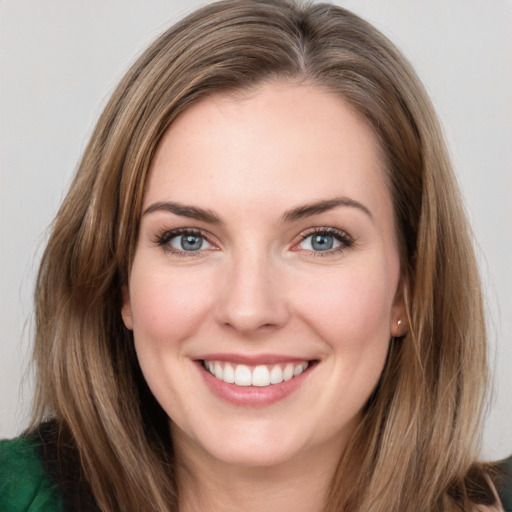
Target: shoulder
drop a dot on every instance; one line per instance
(503, 481)
(497, 505)
(25, 485)
(480, 490)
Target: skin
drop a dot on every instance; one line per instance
(257, 286)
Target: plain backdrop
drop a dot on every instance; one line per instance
(60, 59)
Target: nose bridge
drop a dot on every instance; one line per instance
(253, 296)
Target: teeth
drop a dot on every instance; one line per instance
(242, 375)
(229, 374)
(276, 375)
(298, 370)
(260, 376)
(288, 372)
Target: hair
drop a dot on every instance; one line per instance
(416, 446)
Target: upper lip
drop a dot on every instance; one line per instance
(253, 359)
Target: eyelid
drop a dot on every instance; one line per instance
(166, 235)
(346, 241)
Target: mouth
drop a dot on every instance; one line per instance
(262, 375)
(254, 380)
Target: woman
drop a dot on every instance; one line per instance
(260, 291)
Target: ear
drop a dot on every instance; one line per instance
(126, 308)
(399, 323)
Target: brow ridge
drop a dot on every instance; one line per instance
(182, 210)
(294, 214)
(317, 207)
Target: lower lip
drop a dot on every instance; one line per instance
(253, 396)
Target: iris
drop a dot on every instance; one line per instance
(322, 242)
(191, 242)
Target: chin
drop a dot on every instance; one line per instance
(254, 455)
(244, 444)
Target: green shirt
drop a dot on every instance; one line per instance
(25, 485)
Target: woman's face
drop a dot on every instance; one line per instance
(267, 248)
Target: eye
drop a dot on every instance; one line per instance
(189, 242)
(325, 240)
(184, 240)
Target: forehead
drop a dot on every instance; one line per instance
(286, 143)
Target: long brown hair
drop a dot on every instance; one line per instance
(418, 440)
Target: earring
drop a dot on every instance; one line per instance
(399, 322)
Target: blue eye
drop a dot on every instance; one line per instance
(183, 241)
(326, 240)
(187, 242)
(322, 242)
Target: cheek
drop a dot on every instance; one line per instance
(350, 314)
(167, 306)
(349, 308)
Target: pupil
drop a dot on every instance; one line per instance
(191, 242)
(322, 242)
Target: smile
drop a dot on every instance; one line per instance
(259, 376)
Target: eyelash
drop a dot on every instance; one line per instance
(164, 239)
(345, 240)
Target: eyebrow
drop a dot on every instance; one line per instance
(192, 212)
(300, 212)
(315, 208)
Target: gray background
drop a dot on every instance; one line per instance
(60, 59)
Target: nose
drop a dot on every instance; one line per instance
(252, 297)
